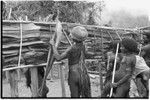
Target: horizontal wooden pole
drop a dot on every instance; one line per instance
(41, 65)
(74, 24)
(28, 66)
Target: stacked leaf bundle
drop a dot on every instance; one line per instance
(34, 43)
(35, 38)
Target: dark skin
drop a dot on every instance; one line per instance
(64, 55)
(145, 53)
(73, 56)
(130, 62)
(122, 76)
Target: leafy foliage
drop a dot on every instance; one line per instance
(69, 11)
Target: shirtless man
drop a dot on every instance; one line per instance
(78, 78)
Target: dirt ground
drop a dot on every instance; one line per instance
(54, 88)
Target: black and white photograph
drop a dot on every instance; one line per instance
(53, 49)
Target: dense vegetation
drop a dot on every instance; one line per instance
(69, 11)
(91, 13)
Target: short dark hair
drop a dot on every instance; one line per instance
(130, 44)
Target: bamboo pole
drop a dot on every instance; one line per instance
(114, 69)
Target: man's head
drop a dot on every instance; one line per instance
(79, 34)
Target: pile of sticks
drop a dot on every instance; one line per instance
(33, 38)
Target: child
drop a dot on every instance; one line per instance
(134, 65)
(78, 78)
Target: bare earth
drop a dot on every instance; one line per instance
(54, 88)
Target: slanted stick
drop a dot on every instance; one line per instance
(19, 60)
(108, 60)
(118, 36)
(111, 91)
(51, 58)
(67, 38)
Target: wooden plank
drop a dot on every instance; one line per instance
(34, 82)
(62, 81)
(13, 84)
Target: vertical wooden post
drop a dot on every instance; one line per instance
(58, 71)
(34, 82)
(13, 83)
(101, 80)
(100, 76)
(62, 81)
(20, 50)
(7, 75)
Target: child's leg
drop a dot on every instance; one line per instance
(106, 90)
(123, 90)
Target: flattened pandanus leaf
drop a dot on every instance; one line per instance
(58, 33)
(51, 58)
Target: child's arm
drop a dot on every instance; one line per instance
(130, 64)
